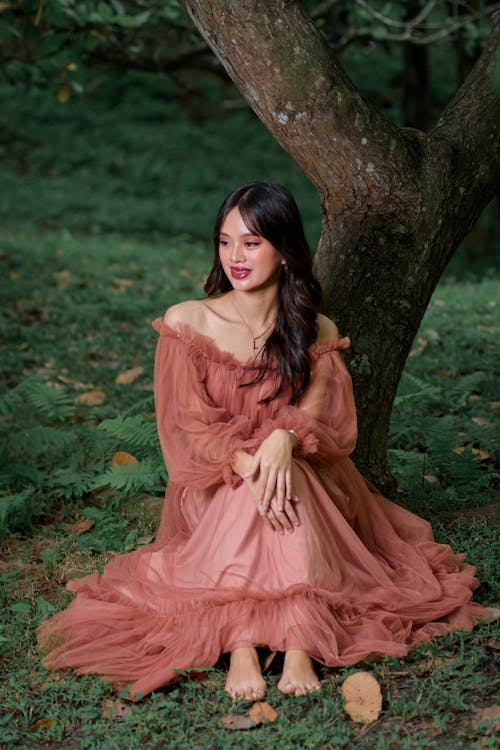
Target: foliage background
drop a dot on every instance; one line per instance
(110, 182)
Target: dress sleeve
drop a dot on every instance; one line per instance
(197, 438)
(324, 420)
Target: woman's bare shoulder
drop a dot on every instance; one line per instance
(191, 312)
(327, 330)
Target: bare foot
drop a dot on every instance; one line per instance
(244, 679)
(299, 677)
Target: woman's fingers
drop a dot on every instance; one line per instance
(267, 481)
(292, 513)
(288, 484)
(281, 491)
(274, 521)
(287, 518)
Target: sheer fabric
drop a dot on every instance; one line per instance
(359, 577)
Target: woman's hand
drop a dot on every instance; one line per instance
(273, 462)
(279, 519)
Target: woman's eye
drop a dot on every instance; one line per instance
(252, 244)
(224, 243)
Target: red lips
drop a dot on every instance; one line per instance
(237, 272)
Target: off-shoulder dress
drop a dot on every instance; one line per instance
(359, 577)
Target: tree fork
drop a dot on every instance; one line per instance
(396, 202)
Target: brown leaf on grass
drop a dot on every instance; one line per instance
(121, 458)
(362, 697)
(491, 712)
(42, 723)
(129, 376)
(146, 539)
(121, 285)
(74, 383)
(236, 721)
(63, 279)
(268, 660)
(494, 645)
(482, 421)
(431, 479)
(6, 565)
(494, 404)
(114, 709)
(81, 526)
(262, 712)
(444, 373)
(91, 398)
(421, 345)
(475, 451)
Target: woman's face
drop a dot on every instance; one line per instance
(249, 261)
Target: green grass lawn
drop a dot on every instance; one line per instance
(77, 314)
(105, 218)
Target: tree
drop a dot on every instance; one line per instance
(396, 202)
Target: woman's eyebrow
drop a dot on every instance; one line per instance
(245, 234)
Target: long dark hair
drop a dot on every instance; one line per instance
(269, 210)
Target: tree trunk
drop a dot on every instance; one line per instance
(396, 202)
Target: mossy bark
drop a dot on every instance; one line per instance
(396, 202)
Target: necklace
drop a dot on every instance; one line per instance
(255, 339)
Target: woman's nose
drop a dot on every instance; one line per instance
(237, 253)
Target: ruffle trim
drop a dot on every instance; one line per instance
(206, 346)
(130, 645)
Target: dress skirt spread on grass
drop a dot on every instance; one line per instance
(359, 577)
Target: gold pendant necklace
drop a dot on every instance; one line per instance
(255, 339)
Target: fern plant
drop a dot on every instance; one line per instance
(54, 454)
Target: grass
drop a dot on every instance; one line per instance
(94, 246)
(96, 326)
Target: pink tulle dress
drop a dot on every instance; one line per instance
(359, 577)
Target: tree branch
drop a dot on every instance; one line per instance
(470, 128)
(304, 97)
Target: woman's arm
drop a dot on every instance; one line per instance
(198, 439)
(324, 421)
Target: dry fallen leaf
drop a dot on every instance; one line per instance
(146, 539)
(121, 285)
(494, 404)
(362, 697)
(268, 660)
(45, 723)
(91, 398)
(81, 526)
(63, 278)
(475, 451)
(128, 376)
(121, 458)
(114, 709)
(421, 345)
(262, 712)
(236, 721)
(491, 712)
(431, 478)
(75, 383)
(482, 421)
(494, 645)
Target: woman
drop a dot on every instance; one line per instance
(269, 536)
